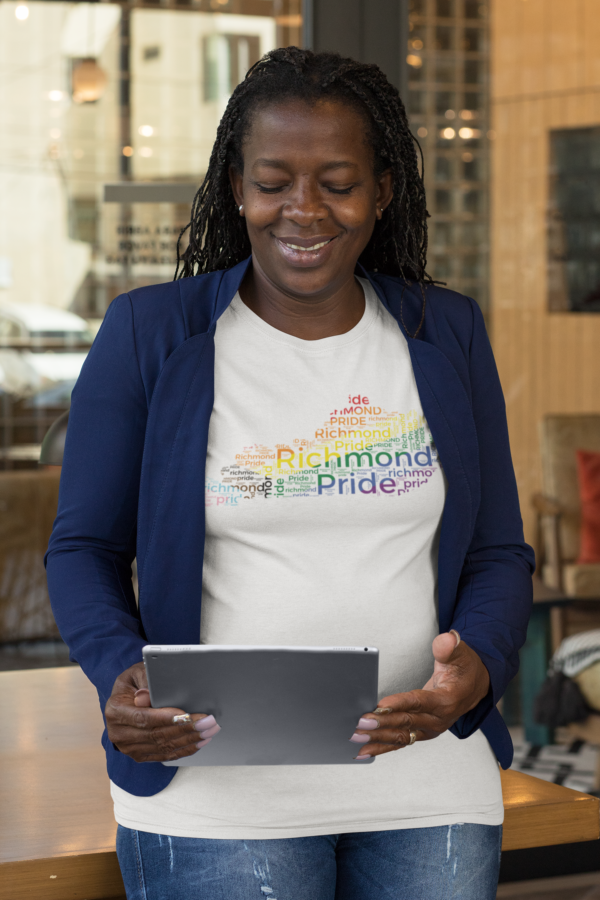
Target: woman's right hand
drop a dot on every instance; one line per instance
(149, 735)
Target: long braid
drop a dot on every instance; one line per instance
(218, 238)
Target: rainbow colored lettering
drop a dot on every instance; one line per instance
(361, 450)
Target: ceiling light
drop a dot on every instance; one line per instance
(415, 61)
(422, 132)
(89, 81)
(55, 133)
(448, 133)
(467, 114)
(22, 12)
(468, 133)
(127, 151)
(146, 152)
(450, 114)
(55, 96)
(146, 130)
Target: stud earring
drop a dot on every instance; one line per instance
(241, 208)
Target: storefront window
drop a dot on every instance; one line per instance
(109, 113)
(108, 116)
(573, 229)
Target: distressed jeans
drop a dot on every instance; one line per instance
(448, 862)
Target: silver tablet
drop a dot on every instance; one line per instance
(285, 706)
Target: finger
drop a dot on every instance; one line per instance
(148, 752)
(142, 697)
(402, 740)
(147, 718)
(169, 738)
(425, 730)
(445, 646)
(407, 702)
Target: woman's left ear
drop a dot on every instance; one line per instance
(236, 180)
(385, 191)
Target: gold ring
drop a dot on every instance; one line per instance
(185, 719)
(412, 737)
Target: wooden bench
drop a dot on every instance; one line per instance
(57, 832)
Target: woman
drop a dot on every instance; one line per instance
(354, 487)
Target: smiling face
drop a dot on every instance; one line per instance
(310, 195)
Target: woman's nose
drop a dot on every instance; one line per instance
(305, 205)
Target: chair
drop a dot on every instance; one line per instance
(28, 501)
(558, 507)
(558, 523)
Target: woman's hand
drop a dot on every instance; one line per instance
(459, 681)
(151, 735)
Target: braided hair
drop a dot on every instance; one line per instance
(218, 238)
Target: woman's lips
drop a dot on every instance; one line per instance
(312, 255)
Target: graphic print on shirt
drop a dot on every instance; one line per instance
(361, 449)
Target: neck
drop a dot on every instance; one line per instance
(334, 311)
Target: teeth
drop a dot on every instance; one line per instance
(308, 249)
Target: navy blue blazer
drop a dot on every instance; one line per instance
(132, 484)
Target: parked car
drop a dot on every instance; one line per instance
(42, 350)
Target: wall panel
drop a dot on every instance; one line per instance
(545, 75)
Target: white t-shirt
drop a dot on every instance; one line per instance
(324, 497)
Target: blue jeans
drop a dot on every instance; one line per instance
(450, 861)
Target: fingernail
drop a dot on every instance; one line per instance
(203, 743)
(206, 722)
(367, 756)
(210, 732)
(182, 720)
(383, 709)
(367, 724)
(360, 738)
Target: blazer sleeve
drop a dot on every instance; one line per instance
(92, 546)
(495, 591)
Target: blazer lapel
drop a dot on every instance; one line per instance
(448, 412)
(447, 409)
(171, 518)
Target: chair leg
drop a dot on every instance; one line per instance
(557, 626)
(597, 772)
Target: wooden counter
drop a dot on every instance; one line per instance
(57, 832)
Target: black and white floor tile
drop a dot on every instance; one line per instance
(572, 764)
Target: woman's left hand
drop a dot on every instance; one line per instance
(459, 681)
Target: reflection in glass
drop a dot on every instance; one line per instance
(443, 235)
(444, 37)
(473, 71)
(445, 70)
(452, 126)
(472, 39)
(99, 94)
(443, 168)
(444, 8)
(444, 101)
(443, 201)
(574, 220)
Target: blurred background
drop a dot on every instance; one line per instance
(108, 112)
